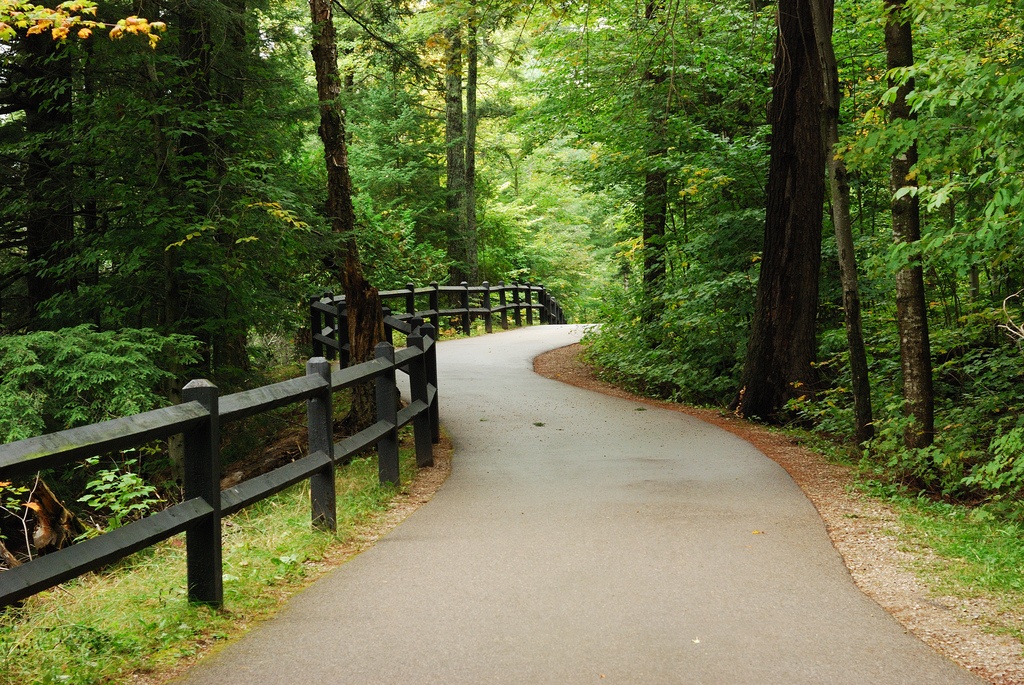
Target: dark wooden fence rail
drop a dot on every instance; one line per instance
(199, 417)
(330, 333)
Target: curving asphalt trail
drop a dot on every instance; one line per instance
(583, 538)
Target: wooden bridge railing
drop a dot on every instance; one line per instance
(199, 417)
(330, 333)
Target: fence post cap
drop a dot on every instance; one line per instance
(198, 383)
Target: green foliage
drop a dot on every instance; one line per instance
(53, 380)
(102, 628)
(119, 492)
(1004, 471)
(689, 346)
(389, 246)
(979, 551)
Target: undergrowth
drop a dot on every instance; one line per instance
(135, 617)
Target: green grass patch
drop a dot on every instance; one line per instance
(972, 552)
(135, 616)
(981, 554)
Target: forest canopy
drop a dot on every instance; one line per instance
(628, 156)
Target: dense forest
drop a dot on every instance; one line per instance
(807, 210)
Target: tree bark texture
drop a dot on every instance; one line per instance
(365, 323)
(839, 186)
(782, 347)
(655, 197)
(455, 144)
(911, 311)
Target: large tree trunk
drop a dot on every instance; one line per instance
(911, 313)
(824, 13)
(455, 143)
(782, 345)
(365, 324)
(472, 58)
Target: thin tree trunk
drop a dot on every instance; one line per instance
(782, 347)
(365, 324)
(455, 143)
(655, 197)
(472, 257)
(911, 312)
(824, 12)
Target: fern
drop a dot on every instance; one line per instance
(54, 380)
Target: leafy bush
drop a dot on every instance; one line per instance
(54, 380)
(119, 492)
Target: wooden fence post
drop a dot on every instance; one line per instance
(542, 298)
(329, 326)
(202, 480)
(316, 325)
(517, 315)
(389, 332)
(387, 410)
(320, 424)
(422, 432)
(488, 317)
(430, 367)
(435, 319)
(410, 300)
(529, 304)
(503, 302)
(344, 356)
(464, 295)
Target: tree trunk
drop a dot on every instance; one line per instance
(782, 347)
(365, 323)
(911, 312)
(655, 197)
(842, 222)
(472, 257)
(455, 143)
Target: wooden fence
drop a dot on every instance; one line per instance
(199, 417)
(518, 300)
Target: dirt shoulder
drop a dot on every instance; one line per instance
(863, 530)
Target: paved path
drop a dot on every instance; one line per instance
(586, 539)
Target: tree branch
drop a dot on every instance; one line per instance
(390, 45)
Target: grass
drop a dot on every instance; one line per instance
(134, 618)
(975, 554)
